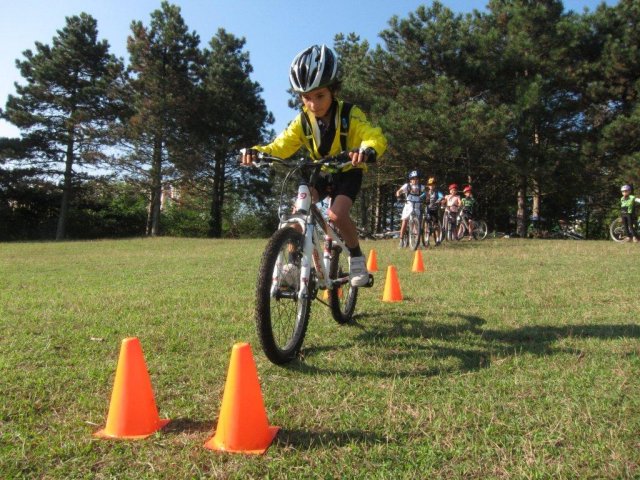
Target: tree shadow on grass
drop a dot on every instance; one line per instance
(408, 332)
(321, 439)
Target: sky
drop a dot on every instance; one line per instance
(274, 30)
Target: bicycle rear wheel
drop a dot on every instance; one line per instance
(616, 230)
(413, 226)
(342, 297)
(281, 316)
(480, 229)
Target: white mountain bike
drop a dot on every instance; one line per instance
(301, 258)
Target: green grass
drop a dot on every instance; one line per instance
(506, 359)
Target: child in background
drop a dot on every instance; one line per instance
(468, 206)
(628, 213)
(434, 201)
(415, 194)
(452, 207)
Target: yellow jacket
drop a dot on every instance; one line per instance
(361, 134)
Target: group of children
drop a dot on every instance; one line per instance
(416, 194)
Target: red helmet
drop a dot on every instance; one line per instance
(467, 189)
(453, 186)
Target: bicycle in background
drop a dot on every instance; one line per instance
(449, 229)
(617, 231)
(431, 229)
(466, 224)
(413, 233)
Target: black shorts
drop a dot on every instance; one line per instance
(344, 183)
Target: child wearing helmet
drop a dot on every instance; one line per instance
(320, 128)
(415, 193)
(434, 201)
(468, 203)
(452, 207)
(628, 213)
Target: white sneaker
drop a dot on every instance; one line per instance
(358, 273)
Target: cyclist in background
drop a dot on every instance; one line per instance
(452, 206)
(415, 194)
(628, 213)
(327, 126)
(434, 201)
(468, 203)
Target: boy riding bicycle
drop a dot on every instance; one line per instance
(415, 194)
(326, 126)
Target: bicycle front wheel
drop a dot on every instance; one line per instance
(281, 316)
(616, 230)
(342, 297)
(451, 230)
(426, 233)
(413, 225)
(444, 230)
(461, 230)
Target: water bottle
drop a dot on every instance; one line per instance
(303, 200)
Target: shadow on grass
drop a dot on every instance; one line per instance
(323, 438)
(189, 426)
(403, 344)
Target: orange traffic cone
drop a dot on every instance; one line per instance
(372, 262)
(243, 426)
(418, 266)
(325, 295)
(132, 411)
(392, 291)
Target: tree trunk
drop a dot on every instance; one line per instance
(521, 217)
(364, 210)
(535, 207)
(217, 197)
(67, 185)
(153, 221)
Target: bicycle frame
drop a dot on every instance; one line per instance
(316, 232)
(307, 219)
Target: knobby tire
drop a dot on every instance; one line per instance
(281, 323)
(342, 299)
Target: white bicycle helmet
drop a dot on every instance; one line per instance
(625, 188)
(314, 67)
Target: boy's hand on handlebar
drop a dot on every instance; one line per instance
(362, 155)
(248, 156)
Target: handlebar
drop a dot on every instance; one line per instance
(338, 161)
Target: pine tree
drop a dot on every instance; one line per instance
(232, 116)
(67, 105)
(164, 63)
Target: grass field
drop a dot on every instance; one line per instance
(506, 359)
